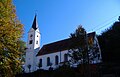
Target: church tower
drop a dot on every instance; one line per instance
(33, 46)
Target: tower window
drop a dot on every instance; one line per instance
(31, 35)
(30, 42)
(37, 35)
(36, 42)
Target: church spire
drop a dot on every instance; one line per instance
(35, 24)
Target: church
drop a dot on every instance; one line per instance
(52, 54)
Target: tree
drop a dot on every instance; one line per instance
(109, 43)
(78, 49)
(22, 49)
(83, 50)
(10, 33)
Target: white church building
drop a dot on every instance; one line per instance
(52, 54)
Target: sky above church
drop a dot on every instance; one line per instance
(58, 18)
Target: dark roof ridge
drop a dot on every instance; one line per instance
(57, 41)
(59, 45)
(66, 39)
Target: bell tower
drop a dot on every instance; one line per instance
(33, 45)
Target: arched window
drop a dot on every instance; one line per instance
(65, 57)
(48, 61)
(56, 60)
(40, 63)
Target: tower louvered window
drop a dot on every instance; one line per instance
(36, 42)
(30, 42)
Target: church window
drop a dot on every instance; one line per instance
(98, 56)
(56, 60)
(40, 63)
(65, 57)
(30, 42)
(36, 42)
(37, 35)
(31, 35)
(48, 61)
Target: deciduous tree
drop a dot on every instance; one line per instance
(10, 33)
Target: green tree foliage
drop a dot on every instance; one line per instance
(22, 49)
(83, 48)
(110, 43)
(78, 49)
(10, 33)
(83, 45)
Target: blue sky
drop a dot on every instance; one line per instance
(58, 18)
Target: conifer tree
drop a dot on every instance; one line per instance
(78, 49)
(110, 43)
(10, 33)
(82, 45)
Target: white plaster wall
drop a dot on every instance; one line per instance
(37, 33)
(96, 60)
(32, 50)
(62, 53)
(52, 59)
(29, 60)
(31, 32)
(99, 47)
